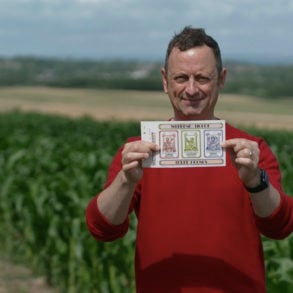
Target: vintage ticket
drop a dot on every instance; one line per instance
(185, 143)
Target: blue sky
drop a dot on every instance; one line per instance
(133, 29)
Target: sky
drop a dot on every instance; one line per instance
(132, 29)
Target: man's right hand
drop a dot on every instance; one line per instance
(132, 156)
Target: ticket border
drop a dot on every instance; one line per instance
(153, 130)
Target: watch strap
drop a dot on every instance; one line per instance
(264, 183)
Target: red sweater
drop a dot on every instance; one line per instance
(196, 228)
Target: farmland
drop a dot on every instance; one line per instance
(131, 105)
(55, 147)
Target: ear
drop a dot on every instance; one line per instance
(222, 78)
(164, 79)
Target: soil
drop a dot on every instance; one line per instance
(18, 279)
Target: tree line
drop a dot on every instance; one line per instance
(266, 80)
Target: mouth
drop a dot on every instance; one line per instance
(192, 100)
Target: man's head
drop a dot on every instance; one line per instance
(194, 37)
(193, 74)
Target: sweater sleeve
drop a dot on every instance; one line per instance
(100, 228)
(280, 223)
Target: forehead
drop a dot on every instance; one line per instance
(196, 58)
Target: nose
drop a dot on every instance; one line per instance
(191, 87)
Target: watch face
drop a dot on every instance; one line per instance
(264, 178)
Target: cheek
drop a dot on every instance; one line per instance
(210, 91)
(176, 90)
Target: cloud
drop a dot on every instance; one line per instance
(131, 28)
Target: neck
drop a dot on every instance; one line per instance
(194, 119)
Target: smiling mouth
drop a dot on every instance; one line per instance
(192, 100)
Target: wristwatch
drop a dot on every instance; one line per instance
(264, 183)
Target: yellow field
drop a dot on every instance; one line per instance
(138, 105)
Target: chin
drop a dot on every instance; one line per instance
(195, 116)
(192, 115)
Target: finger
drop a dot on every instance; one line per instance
(247, 158)
(138, 150)
(131, 165)
(230, 143)
(231, 146)
(249, 147)
(249, 153)
(152, 146)
(235, 144)
(243, 161)
(131, 156)
(141, 147)
(245, 153)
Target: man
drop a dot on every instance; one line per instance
(198, 228)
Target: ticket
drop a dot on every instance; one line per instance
(185, 143)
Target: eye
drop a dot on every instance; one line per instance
(181, 78)
(203, 79)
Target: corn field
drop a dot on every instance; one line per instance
(51, 166)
